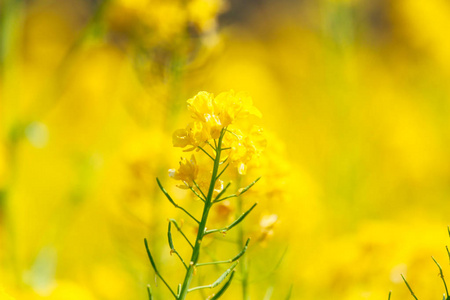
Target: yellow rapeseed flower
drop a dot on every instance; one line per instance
(231, 105)
(201, 106)
(187, 172)
(212, 114)
(245, 147)
(204, 179)
(195, 134)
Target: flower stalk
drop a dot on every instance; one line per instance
(213, 126)
(201, 229)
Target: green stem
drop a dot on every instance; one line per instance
(201, 229)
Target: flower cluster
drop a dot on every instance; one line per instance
(218, 129)
(211, 115)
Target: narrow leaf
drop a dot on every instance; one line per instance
(224, 287)
(223, 276)
(173, 202)
(241, 191)
(220, 174)
(150, 256)
(242, 251)
(441, 274)
(169, 236)
(172, 247)
(222, 192)
(217, 282)
(409, 288)
(236, 222)
(241, 218)
(180, 231)
(156, 270)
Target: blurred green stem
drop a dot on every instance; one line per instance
(11, 22)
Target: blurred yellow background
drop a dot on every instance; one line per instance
(355, 98)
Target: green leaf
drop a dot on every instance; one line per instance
(248, 186)
(224, 287)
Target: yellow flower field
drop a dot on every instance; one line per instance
(265, 150)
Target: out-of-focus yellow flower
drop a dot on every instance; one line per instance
(195, 134)
(204, 179)
(203, 110)
(223, 109)
(244, 148)
(267, 224)
(187, 172)
(165, 20)
(168, 18)
(201, 106)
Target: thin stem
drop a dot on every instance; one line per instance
(156, 270)
(204, 151)
(149, 292)
(214, 263)
(238, 137)
(204, 196)
(218, 176)
(409, 288)
(172, 247)
(181, 231)
(239, 255)
(243, 190)
(173, 202)
(441, 274)
(236, 222)
(448, 252)
(225, 198)
(224, 287)
(240, 191)
(202, 225)
(222, 192)
(217, 282)
(212, 147)
(196, 194)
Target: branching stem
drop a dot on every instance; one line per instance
(236, 222)
(202, 224)
(173, 202)
(204, 151)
